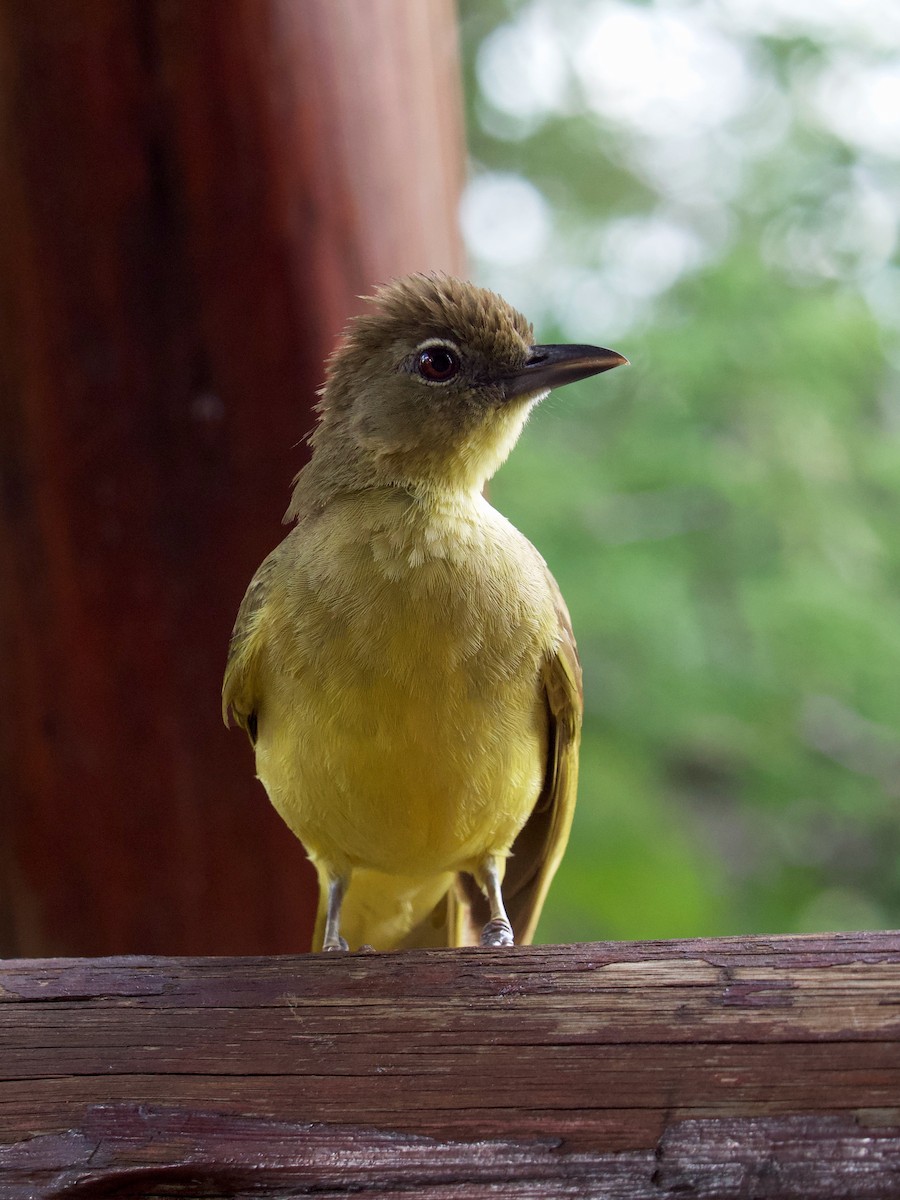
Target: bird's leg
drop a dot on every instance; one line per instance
(498, 931)
(336, 889)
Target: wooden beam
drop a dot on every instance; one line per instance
(765, 1067)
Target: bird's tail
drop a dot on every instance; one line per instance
(398, 912)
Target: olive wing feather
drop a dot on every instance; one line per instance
(239, 688)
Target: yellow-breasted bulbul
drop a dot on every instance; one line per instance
(403, 662)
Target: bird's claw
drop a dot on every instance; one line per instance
(497, 933)
(340, 944)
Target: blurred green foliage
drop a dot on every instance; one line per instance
(722, 516)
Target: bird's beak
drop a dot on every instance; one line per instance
(552, 366)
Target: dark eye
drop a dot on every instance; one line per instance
(437, 364)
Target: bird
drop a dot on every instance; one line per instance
(403, 662)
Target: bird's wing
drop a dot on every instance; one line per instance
(538, 850)
(239, 697)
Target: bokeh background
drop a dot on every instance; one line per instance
(711, 187)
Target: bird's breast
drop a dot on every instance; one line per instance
(403, 705)
(383, 586)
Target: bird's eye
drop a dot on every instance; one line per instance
(437, 364)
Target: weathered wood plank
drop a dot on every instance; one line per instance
(728, 1067)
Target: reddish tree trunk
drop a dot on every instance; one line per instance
(194, 193)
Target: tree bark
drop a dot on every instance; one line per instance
(194, 194)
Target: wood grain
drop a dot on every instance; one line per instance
(723, 1068)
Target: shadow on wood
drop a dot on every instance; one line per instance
(723, 1068)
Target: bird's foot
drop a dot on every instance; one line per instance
(340, 944)
(497, 932)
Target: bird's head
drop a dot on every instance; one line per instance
(433, 385)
